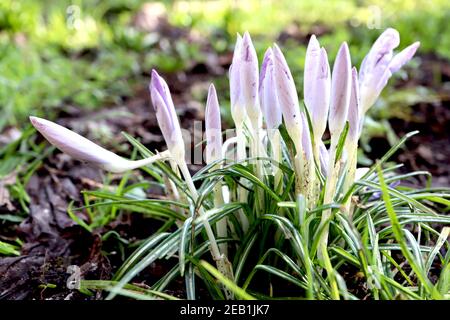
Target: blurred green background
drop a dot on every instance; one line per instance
(91, 54)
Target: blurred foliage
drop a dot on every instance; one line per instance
(90, 53)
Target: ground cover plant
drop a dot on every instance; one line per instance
(277, 212)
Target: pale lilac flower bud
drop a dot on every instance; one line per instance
(380, 54)
(403, 57)
(213, 127)
(354, 109)
(85, 150)
(166, 116)
(268, 94)
(287, 97)
(317, 86)
(340, 91)
(237, 106)
(249, 77)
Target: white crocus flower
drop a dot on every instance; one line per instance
(85, 150)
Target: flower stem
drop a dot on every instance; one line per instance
(221, 225)
(209, 232)
(276, 153)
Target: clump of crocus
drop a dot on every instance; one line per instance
(268, 99)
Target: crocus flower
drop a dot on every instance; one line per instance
(311, 63)
(340, 91)
(287, 97)
(249, 78)
(360, 172)
(85, 150)
(317, 84)
(213, 127)
(379, 65)
(166, 116)
(267, 93)
(353, 109)
(237, 106)
(401, 58)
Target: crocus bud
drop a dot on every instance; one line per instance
(237, 106)
(306, 138)
(287, 97)
(268, 94)
(317, 84)
(324, 158)
(379, 65)
(353, 109)
(249, 78)
(309, 75)
(85, 150)
(166, 116)
(403, 57)
(340, 91)
(213, 127)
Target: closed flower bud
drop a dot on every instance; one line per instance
(379, 65)
(324, 158)
(353, 109)
(237, 107)
(268, 94)
(380, 54)
(306, 138)
(166, 116)
(85, 150)
(213, 127)
(340, 91)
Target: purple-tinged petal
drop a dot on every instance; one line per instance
(401, 58)
(324, 158)
(166, 115)
(237, 106)
(287, 97)
(312, 62)
(340, 91)
(306, 138)
(354, 108)
(267, 61)
(234, 72)
(249, 77)
(381, 51)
